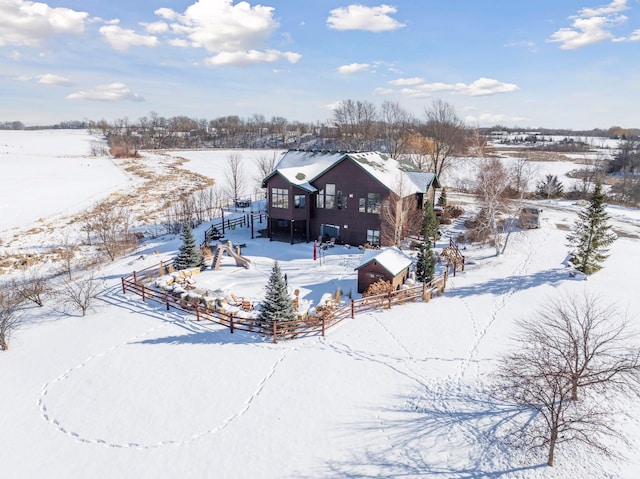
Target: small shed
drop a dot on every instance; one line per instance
(529, 217)
(389, 264)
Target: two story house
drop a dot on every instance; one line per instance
(339, 195)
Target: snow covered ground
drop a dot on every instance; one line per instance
(132, 390)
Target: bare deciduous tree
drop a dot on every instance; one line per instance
(493, 179)
(111, 224)
(399, 215)
(447, 135)
(235, 177)
(264, 164)
(574, 348)
(356, 121)
(81, 293)
(10, 317)
(67, 254)
(395, 125)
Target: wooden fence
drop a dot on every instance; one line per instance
(307, 326)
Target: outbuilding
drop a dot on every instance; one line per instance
(389, 264)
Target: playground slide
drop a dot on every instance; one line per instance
(240, 260)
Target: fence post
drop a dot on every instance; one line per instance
(275, 332)
(143, 295)
(323, 326)
(197, 313)
(166, 299)
(231, 323)
(389, 300)
(124, 288)
(353, 309)
(135, 278)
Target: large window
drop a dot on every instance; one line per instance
(279, 198)
(299, 201)
(320, 199)
(373, 237)
(327, 197)
(373, 203)
(330, 196)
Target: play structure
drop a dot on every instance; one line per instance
(228, 248)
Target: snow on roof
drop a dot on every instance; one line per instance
(391, 259)
(301, 167)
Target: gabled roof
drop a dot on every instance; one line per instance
(302, 167)
(391, 259)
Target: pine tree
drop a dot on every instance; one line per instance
(189, 255)
(430, 223)
(550, 187)
(442, 201)
(277, 305)
(591, 236)
(426, 264)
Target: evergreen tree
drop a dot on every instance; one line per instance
(426, 264)
(277, 305)
(591, 236)
(442, 200)
(430, 223)
(550, 187)
(189, 254)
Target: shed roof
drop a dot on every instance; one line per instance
(391, 259)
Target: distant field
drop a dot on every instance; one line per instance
(50, 172)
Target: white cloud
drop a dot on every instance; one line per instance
(122, 39)
(236, 34)
(384, 91)
(486, 86)
(635, 36)
(166, 13)
(179, 42)
(111, 93)
(480, 87)
(251, 57)
(531, 46)
(47, 79)
(27, 23)
(407, 81)
(614, 7)
(334, 105)
(156, 28)
(415, 93)
(360, 17)
(353, 68)
(490, 119)
(52, 79)
(591, 25)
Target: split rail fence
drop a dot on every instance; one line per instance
(311, 325)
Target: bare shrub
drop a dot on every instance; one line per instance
(33, 287)
(10, 317)
(111, 225)
(379, 287)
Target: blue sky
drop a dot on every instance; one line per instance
(549, 63)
